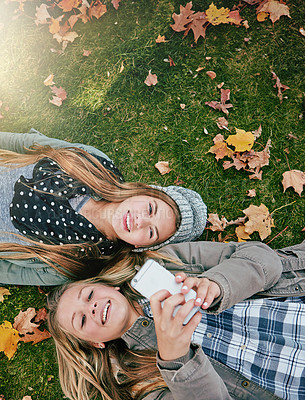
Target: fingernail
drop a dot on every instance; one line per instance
(205, 304)
(198, 300)
(184, 288)
(178, 276)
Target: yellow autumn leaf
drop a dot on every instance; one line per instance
(218, 16)
(9, 338)
(242, 141)
(262, 16)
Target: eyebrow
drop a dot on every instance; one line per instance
(156, 209)
(73, 316)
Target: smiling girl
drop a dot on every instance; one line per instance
(113, 344)
(66, 212)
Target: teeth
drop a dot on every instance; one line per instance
(128, 221)
(105, 312)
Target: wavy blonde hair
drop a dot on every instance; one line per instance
(113, 373)
(80, 261)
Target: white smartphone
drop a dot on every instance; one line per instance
(152, 277)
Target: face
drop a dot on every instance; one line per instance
(143, 221)
(95, 313)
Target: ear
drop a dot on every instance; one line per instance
(100, 345)
(117, 288)
(136, 246)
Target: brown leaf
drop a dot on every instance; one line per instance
(251, 193)
(59, 92)
(280, 87)
(36, 336)
(22, 322)
(182, 19)
(163, 167)
(115, 3)
(57, 101)
(151, 79)
(211, 74)
(68, 5)
(258, 132)
(220, 148)
(241, 233)
(73, 19)
(42, 15)
(3, 292)
(198, 24)
(217, 224)
(295, 179)
(171, 62)
(97, 9)
(41, 315)
(86, 53)
(161, 39)
(49, 80)
(222, 123)
(274, 8)
(260, 220)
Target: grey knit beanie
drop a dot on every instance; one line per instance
(193, 213)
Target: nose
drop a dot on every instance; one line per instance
(142, 221)
(93, 307)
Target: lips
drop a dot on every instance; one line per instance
(127, 221)
(105, 312)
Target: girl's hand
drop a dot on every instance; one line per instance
(173, 337)
(206, 290)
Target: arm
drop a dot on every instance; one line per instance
(240, 269)
(184, 367)
(17, 142)
(29, 272)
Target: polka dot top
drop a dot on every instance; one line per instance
(42, 210)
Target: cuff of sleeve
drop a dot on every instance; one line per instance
(174, 365)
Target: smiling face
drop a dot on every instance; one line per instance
(143, 221)
(95, 313)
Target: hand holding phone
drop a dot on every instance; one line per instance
(152, 277)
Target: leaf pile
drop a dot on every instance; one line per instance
(256, 219)
(242, 156)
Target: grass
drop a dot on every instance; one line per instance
(138, 125)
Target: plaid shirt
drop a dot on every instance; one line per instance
(263, 339)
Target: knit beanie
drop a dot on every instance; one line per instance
(193, 215)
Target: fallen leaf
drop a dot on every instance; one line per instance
(241, 233)
(222, 123)
(54, 26)
(68, 5)
(73, 19)
(257, 133)
(49, 80)
(59, 92)
(182, 106)
(163, 167)
(161, 39)
(262, 16)
(151, 79)
(211, 74)
(182, 19)
(280, 87)
(68, 37)
(57, 101)
(220, 148)
(217, 224)
(97, 9)
(218, 16)
(86, 53)
(295, 179)
(198, 25)
(199, 69)
(302, 31)
(260, 220)
(251, 193)
(22, 322)
(115, 3)
(9, 338)
(35, 337)
(121, 68)
(171, 62)
(27, 398)
(242, 141)
(275, 9)
(3, 292)
(42, 15)
(178, 181)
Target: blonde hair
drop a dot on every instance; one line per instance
(79, 261)
(113, 373)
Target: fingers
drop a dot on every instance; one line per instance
(206, 293)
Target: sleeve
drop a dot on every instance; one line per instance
(18, 142)
(190, 377)
(240, 269)
(29, 272)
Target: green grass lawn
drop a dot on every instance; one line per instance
(137, 125)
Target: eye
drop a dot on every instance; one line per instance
(83, 320)
(90, 295)
(150, 233)
(150, 209)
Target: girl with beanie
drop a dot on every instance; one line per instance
(66, 212)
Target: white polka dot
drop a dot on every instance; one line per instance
(48, 220)
(17, 205)
(81, 224)
(31, 219)
(57, 222)
(24, 232)
(34, 207)
(65, 192)
(45, 189)
(22, 219)
(59, 194)
(63, 219)
(56, 183)
(70, 179)
(12, 218)
(52, 233)
(35, 187)
(83, 189)
(111, 165)
(67, 210)
(30, 194)
(60, 236)
(39, 219)
(61, 207)
(41, 183)
(11, 205)
(90, 225)
(60, 243)
(70, 185)
(69, 237)
(26, 206)
(41, 241)
(76, 237)
(21, 193)
(72, 222)
(44, 208)
(51, 191)
(45, 233)
(92, 237)
(40, 168)
(37, 233)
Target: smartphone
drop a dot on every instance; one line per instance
(152, 277)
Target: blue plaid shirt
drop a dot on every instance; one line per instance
(263, 339)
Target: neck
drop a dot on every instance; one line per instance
(100, 214)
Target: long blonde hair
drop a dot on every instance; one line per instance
(113, 373)
(79, 261)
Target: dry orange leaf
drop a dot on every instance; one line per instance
(280, 87)
(86, 53)
(9, 337)
(163, 167)
(3, 292)
(251, 193)
(241, 233)
(151, 79)
(242, 141)
(68, 5)
(182, 19)
(22, 322)
(115, 3)
(221, 150)
(97, 10)
(42, 15)
(49, 80)
(222, 123)
(260, 220)
(217, 224)
(295, 179)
